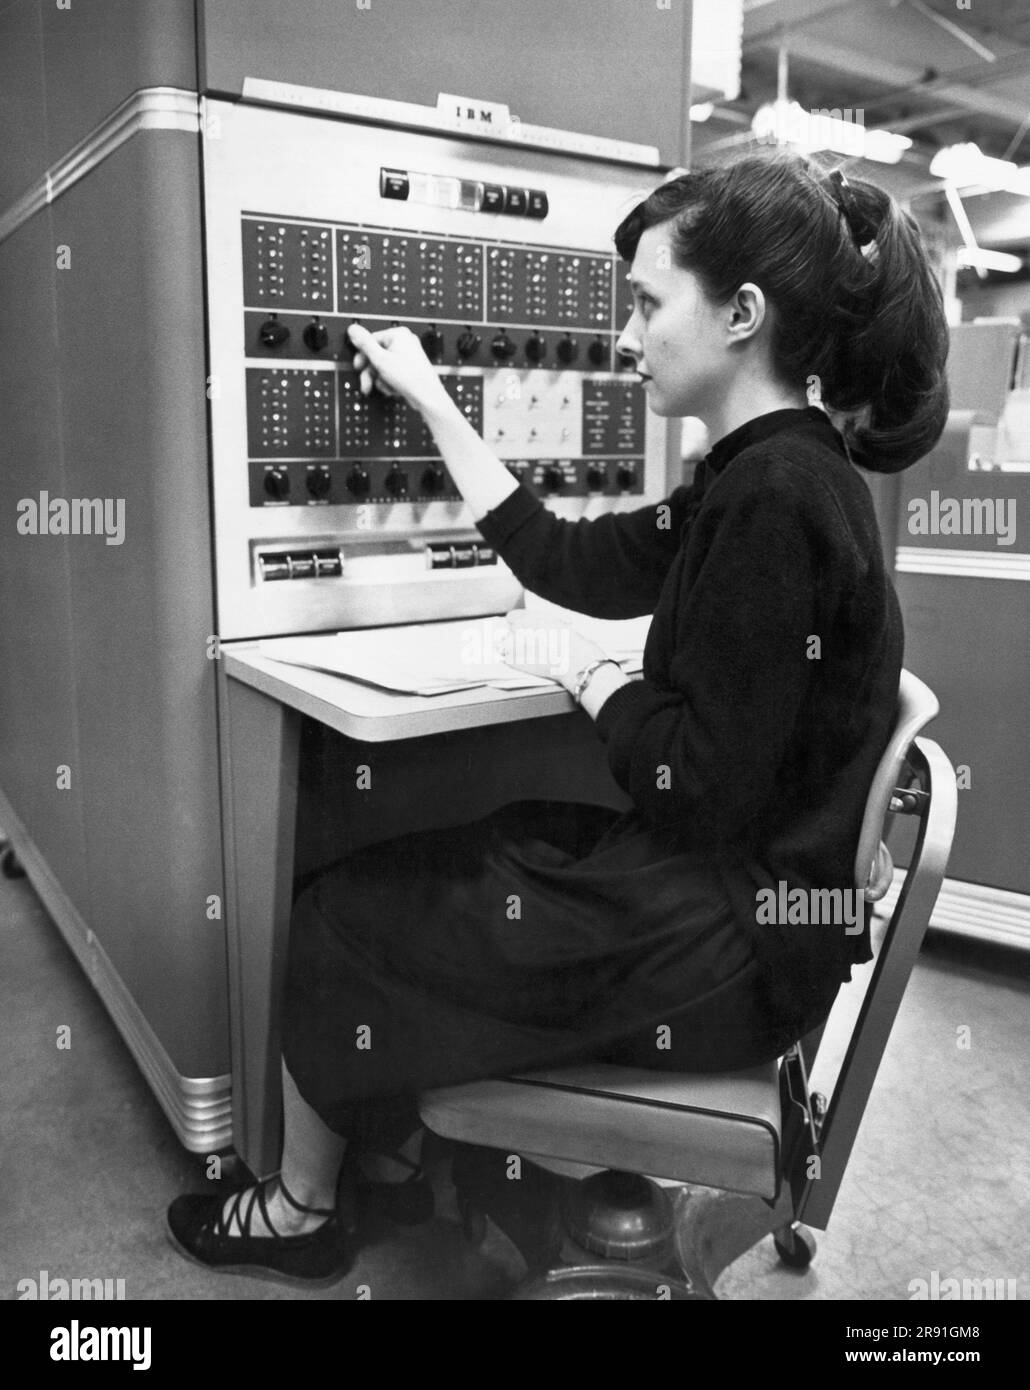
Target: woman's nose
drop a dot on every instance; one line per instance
(628, 344)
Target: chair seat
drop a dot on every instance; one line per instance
(720, 1130)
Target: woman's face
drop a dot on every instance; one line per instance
(676, 337)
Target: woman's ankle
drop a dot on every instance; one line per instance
(303, 1190)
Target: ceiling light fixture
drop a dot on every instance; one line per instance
(843, 131)
(977, 258)
(966, 166)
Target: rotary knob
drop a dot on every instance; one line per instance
(625, 477)
(277, 484)
(598, 352)
(358, 483)
(536, 348)
(567, 350)
(319, 483)
(433, 480)
(468, 343)
(432, 343)
(273, 332)
(596, 478)
(347, 348)
(397, 482)
(316, 335)
(554, 478)
(502, 346)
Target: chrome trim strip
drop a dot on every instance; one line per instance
(152, 108)
(963, 564)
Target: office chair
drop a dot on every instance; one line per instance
(746, 1153)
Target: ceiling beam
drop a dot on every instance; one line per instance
(766, 20)
(904, 82)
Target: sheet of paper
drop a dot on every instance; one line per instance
(620, 637)
(419, 659)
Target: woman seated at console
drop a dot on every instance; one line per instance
(777, 303)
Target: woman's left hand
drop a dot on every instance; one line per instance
(545, 646)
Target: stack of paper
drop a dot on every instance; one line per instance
(438, 658)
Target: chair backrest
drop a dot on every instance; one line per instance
(917, 705)
(906, 761)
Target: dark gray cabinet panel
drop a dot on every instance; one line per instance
(133, 420)
(22, 105)
(98, 52)
(38, 724)
(969, 639)
(63, 71)
(605, 67)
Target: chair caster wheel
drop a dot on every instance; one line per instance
(473, 1222)
(10, 865)
(795, 1245)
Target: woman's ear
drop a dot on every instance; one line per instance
(746, 312)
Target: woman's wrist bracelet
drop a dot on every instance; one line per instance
(587, 674)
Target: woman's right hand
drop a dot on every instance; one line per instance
(393, 360)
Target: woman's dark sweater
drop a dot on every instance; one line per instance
(771, 668)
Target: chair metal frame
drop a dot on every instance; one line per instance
(935, 806)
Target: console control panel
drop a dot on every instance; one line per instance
(523, 338)
(335, 509)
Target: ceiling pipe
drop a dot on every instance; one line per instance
(950, 27)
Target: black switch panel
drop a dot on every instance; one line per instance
(287, 263)
(403, 274)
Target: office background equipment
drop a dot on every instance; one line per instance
(154, 149)
(963, 589)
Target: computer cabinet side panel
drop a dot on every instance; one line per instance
(133, 379)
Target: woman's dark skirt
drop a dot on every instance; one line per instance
(543, 934)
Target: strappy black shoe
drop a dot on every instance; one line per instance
(198, 1229)
(409, 1202)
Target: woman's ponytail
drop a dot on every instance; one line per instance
(896, 358)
